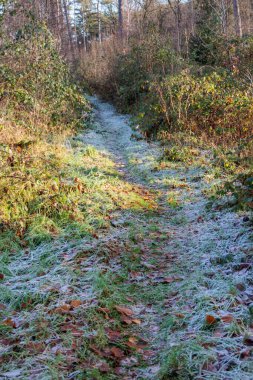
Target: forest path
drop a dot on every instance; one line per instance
(193, 282)
(162, 290)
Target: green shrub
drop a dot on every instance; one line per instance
(35, 84)
(214, 105)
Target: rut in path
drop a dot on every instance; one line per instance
(181, 273)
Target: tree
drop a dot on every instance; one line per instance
(120, 17)
(175, 6)
(237, 17)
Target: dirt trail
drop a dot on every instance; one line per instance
(198, 263)
(183, 271)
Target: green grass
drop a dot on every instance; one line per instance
(67, 192)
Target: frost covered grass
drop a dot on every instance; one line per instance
(59, 190)
(160, 289)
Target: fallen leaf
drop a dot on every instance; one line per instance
(104, 310)
(227, 318)
(133, 340)
(35, 347)
(75, 303)
(113, 335)
(104, 367)
(136, 321)
(9, 322)
(126, 320)
(248, 340)
(71, 327)
(210, 319)
(179, 315)
(169, 280)
(117, 352)
(1, 276)
(96, 350)
(132, 345)
(64, 309)
(124, 310)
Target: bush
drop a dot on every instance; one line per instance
(214, 105)
(39, 108)
(35, 85)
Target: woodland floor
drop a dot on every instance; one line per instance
(165, 291)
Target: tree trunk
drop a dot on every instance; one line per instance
(120, 17)
(237, 17)
(99, 23)
(176, 9)
(68, 28)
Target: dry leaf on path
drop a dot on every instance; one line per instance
(210, 320)
(117, 352)
(75, 303)
(124, 310)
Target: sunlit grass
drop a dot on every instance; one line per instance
(53, 190)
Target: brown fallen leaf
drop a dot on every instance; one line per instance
(166, 280)
(1, 276)
(133, 339)
(227, 318)
(9, 322)
(248, 340)
(113, 335)
(104, 367)
(133, 345)
(172, 279)
(96, 350)
(117, 352)
(245, 353)
(124, 310)
(179, 315)
(136, 321)
(75, 303)
(104, 310)
(137, 343)
(35, 347)
(64, 309)
(73, 329)
(126, 320)
(210, 320)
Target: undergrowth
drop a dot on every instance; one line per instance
(50, 183)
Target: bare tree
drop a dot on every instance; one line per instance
(237, 17)
(120, 17)
(176, 9)
(65, 7)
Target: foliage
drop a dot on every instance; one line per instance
(39, 108)
(215, 105)
(36, 82)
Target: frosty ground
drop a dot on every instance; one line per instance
(162, 290)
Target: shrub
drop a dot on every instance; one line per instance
(39, 107)
(35, 85)
(214, 105)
